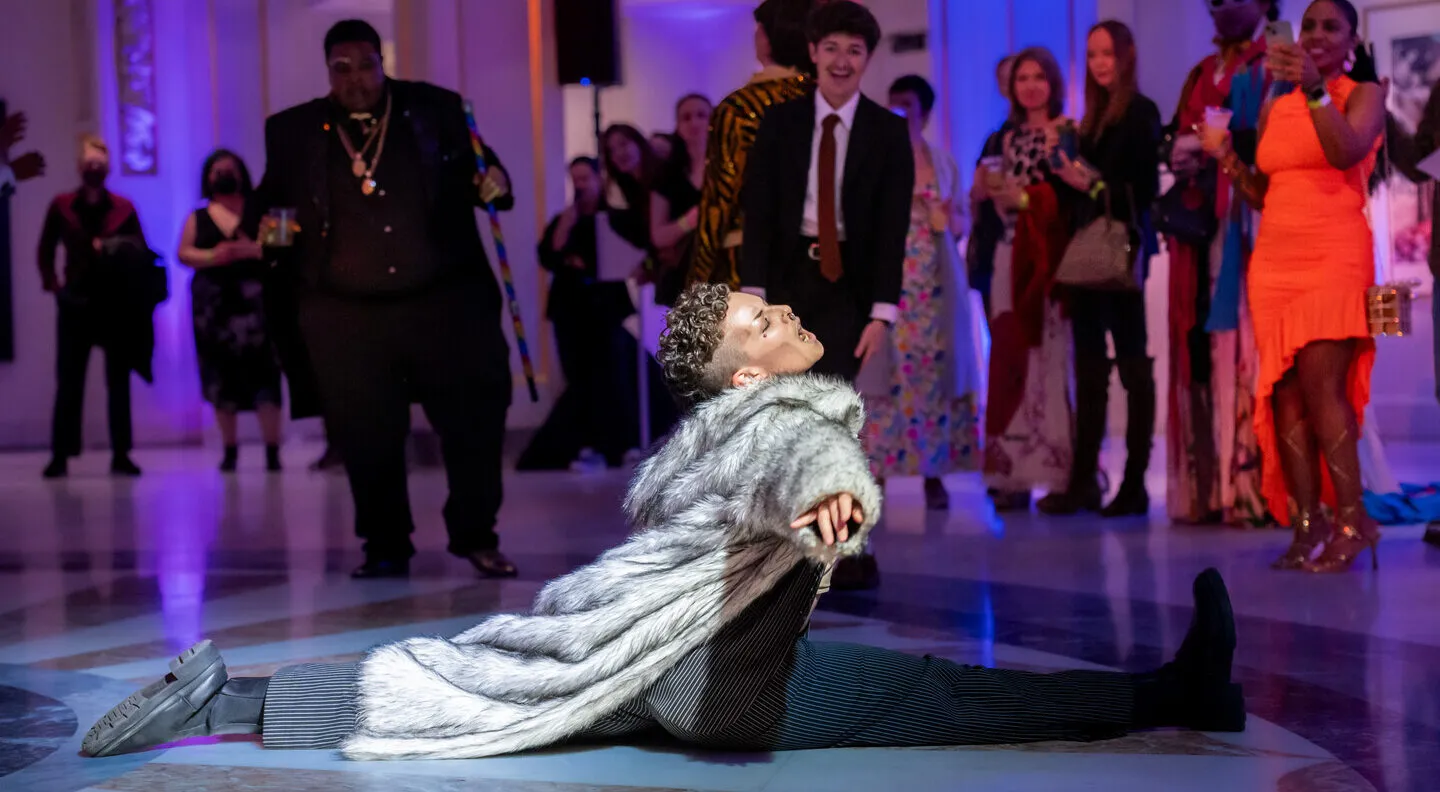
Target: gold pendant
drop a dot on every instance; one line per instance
(368, 186)
(357, 166)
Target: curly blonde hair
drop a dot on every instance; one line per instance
(697, 363)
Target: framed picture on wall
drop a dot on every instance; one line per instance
(1406, 36)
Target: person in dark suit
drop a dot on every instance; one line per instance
(386, 297)
(827, 207)
(89, 223)
(836, 259)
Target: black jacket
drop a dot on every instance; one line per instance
(875, 195)
(1127, 154)
(296, 149)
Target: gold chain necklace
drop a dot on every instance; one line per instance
(357, 158)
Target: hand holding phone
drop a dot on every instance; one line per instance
(1279, 32)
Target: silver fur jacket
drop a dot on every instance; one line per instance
(711, 514)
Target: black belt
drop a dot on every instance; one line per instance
(812, 247)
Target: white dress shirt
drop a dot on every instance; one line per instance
(809, 220)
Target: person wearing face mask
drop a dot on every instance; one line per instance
(829, 238)
(1314, 260)
(84, 221)
(1212, 455)
(238, 367)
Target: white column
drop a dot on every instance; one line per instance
(500, 57)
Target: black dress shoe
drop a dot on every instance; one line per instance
(329, 460)
(1066, 503)
(121, 465)
(1432, 534)
(58, 468)
(1194, 691)
(492, 564)
(382, 568)
(1133, 502)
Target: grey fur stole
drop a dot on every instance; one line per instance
(711, 513)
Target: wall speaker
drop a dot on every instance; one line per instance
(587, 42)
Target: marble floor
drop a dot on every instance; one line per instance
(101, 579)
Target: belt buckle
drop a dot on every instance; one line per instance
(814, 251)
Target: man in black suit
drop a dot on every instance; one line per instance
(386, 297)
(835, 255)
(827, 208)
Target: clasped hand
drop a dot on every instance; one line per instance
(1075, 173)
(832, 516)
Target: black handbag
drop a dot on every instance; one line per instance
(1187, 210)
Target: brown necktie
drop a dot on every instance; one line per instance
(828, 231)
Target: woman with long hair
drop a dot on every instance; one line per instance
(1028, 424)
(675, 197)
(631, 171)
(1117, 175)
(1313, 262)
(921, 414)
(238, 367)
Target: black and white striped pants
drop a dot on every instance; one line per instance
(760, 687)
(837, 695)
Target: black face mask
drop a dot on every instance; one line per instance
(225, 184)
(94, 177)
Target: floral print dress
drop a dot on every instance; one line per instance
(920, 428)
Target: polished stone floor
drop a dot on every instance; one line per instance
(101, 579)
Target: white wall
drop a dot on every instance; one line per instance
(666, 51)
(42, 80)
(57, 67)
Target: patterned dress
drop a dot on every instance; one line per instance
(1213, 464)
(238, 366)
(1036, 447)
(920, 428)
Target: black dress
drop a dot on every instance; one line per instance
(673, 263)
(238, 366)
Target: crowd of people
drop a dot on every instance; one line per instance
(814, 353)
(878, 245)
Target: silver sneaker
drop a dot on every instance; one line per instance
(163, 711)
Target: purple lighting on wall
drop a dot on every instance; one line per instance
(135, 78)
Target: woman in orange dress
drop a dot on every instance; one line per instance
(1313, 261)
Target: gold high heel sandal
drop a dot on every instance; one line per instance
(1307, 537)
(1354, 530)
(1346, 542)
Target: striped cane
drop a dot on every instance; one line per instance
(505, 277)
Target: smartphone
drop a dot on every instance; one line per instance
(1279, 32)
(1069, 143)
